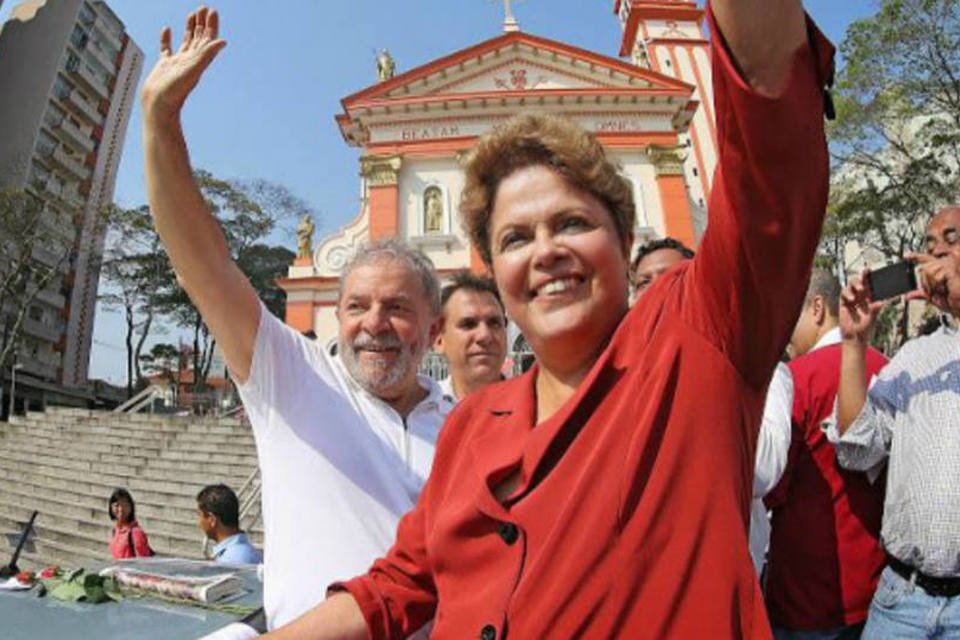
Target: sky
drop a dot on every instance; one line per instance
(265, 109)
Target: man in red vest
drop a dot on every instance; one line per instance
(825, 557)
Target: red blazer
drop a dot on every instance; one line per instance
(630, 520)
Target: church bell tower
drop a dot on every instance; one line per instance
(668, 37)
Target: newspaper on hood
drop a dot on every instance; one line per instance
(205, 589)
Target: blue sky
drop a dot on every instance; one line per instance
(266, 107)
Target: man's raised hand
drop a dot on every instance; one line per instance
(858, 311)
(176, 73)
(939, 279)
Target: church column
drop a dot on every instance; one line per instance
(677, 217)
(381, 174)
(299, 312)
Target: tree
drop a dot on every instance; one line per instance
(263, 264)
(135, 270)
(162, 359)
(141, 282)
(248, 213)
(36, 246)
(896, 141)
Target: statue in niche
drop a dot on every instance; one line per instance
(386, 66)
(433, 210)
(305, 237)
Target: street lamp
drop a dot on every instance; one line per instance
(13, 386)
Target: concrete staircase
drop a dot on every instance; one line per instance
(66, 462)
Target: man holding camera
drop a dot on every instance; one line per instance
(911, 415)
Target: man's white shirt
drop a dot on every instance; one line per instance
(339, 467)
(773, 447)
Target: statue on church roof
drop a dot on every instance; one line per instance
(305, 237)
(386, 66)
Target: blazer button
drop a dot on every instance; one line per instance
(509, 532)
(489, 632)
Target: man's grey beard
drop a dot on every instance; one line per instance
(378, 379)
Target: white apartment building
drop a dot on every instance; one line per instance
(68, 75)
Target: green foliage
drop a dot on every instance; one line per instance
(263, 265)
(163, 359)
(136, 271)
(896, 141)
(36, 246)
(143, 282)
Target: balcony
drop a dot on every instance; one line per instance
(69, 197)
(73, 135)
(109, 33)
(44, 331)
(38, 368)
(65, 195)
(51, 298)
(101, 55)
(81, 107)
(45, 150)
(46, 256)
(90, 80)
(72, 164)
(62, 229)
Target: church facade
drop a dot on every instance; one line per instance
(652, 113)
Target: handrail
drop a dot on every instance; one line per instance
(138, 401)
(229, 413)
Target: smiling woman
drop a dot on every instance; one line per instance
(553, 218)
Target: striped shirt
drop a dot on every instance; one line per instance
(912, 415)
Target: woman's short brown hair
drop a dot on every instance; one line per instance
(538, 139)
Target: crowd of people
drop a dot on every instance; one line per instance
(659, 472)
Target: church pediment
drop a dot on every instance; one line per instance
(515, 69)
(516, 73)
(516, 62)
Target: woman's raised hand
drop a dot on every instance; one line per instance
(175, 74)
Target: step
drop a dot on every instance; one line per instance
(166, 466)
(123, 426)
(104, 436)
(84, 462)
(106, 417)
(52, 461)
(14, 470)
(53, 439)
(185, 481)
(235, 446)
(205, 457)
(77, 451)
(118, 430)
